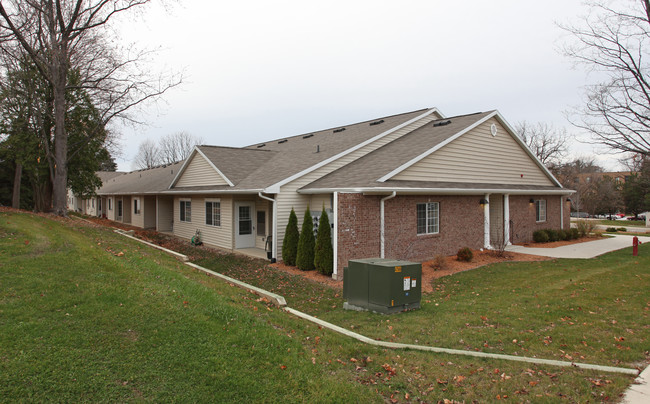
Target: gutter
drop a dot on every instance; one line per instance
(381, 215)
(274, 230)
(437, 191)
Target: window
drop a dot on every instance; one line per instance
(213, 213)
(110, 203)
(540, 210)
(261, 223)
(92, 202)
(136, 206)
(186, 211)
(428, 217)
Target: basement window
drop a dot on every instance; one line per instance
(428, 218)
(186, 211)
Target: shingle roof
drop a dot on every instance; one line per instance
(256, 167)
(365, 171)
(153, 180)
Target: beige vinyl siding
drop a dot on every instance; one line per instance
(479, 157)
(200, 173)
(318, 201)
(219, 236)
(165, 205)
(149, 212)
(263, 205)
(137, 219)
(289, 197)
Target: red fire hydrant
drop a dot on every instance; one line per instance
(635, 246)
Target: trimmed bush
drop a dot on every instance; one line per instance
(563, 235)
(306, 244)
(611, 229)
(465, 254)
(552, 235)
(621, 229)
(324, 253)
(291, 236)
(574, 233)
(540, 236)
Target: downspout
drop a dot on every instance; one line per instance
(274, 226)
(335, 235)
(381, 215)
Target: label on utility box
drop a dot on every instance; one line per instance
(398, 269)
(414, 283)
(407, 283)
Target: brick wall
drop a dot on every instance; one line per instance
(461, 224)
(522, 215)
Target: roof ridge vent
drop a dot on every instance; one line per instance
(339, 130)
(282, 141)
(442, 123)
(308, 136)
(261, 145)
(377, 122)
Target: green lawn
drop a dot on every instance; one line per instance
(86, 315)
(622, 223)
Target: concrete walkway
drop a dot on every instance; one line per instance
(589, 249)
(639, 392)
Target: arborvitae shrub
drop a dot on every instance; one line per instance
(306, 244)
(465, 254)
(540, 236)
(291, 236)
(324, 253)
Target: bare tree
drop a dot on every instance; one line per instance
(549, 144)
(65, 36)
(177, 146)
(613, 42)
(148, 155)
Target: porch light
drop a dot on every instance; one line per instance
(568, 199)
(483, 201)
(532, 201)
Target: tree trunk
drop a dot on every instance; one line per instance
(42, 196)
(60, 180)
(15, 197)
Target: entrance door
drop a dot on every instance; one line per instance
(244, 228)
(119, 210)
(496, 221)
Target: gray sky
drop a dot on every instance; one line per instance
(260, 70)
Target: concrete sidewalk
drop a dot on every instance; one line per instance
(589, 249)
(639, 392)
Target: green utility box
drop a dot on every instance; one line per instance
(382, 285)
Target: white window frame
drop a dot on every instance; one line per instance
(432, 218)
(212, 201)
(137, 206)
(540, 210)
(182, 212)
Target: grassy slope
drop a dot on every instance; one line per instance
(80, 323)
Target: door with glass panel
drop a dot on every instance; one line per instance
(244, 225)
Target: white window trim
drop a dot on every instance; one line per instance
(537, 210)
(427, 233)
(206, 200)
(179, 210)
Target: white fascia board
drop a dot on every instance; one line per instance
(438, 191)
(187, 162)
(273, 189)
(212, 191)
(532, 155)
(433, 149)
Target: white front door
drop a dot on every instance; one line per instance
(244, 225)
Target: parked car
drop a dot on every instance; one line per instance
(581, 215)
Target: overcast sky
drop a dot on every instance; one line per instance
(260, 70)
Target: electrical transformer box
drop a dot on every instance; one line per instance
(382, 285)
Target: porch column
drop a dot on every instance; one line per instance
(561, 212)
(506, 219)
(486, 222)
(335, 234)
